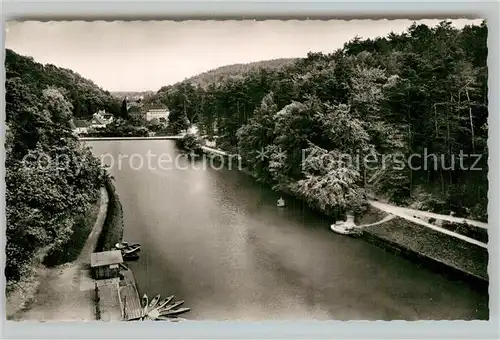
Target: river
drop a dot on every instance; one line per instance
(216, 239)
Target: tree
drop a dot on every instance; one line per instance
(124, 110)
(256, 136)
(43, 199)
(421, 91)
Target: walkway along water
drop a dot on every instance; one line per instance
(66, 293)
(218, 240)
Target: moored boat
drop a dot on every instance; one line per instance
(131, 257)
(131, 250)
(153, 314)
(165, 302)
(125, 245)
(171, 318)
(175, 312)
(153, 302)
(167, 308)
(340, 229)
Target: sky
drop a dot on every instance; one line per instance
(146, 55)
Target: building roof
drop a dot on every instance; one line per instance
(105, 258)
(100, 119)
(80, 123)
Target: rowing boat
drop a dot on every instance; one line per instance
(165, 302)
(153, 302)
(131, 257)
(131, 250)
(171, 318)
(166, 309)
(175, 312)
(344, 230)
(125, 245)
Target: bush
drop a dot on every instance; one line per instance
(190, 144)
(70, 250)
(112, 230)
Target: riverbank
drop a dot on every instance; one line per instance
(61, 293)
(443, 253)
(112, 231)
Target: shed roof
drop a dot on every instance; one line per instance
(105, 258)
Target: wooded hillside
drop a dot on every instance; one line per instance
(51, 179)
(419, 98)
(85, 96)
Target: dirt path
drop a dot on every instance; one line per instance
(385, 219)
(66, 293)
(409, 214)
(389, 207)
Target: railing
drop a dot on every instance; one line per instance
(130, 138)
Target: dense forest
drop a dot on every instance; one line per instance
(51, 179)
(236, 70)
(85, 97)
(422, 92)
(215, 76)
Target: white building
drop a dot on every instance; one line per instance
(101, 119)
(160, 114)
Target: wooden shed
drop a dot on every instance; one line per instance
(106, 264)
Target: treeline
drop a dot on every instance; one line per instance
(130, 127)
(422, 92)
(85, 97)
(236, 70)
(51, 179)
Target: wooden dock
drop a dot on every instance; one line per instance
(108, 300)
(130, 301)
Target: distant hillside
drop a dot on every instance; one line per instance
(85, 96)
(223, 72)
(216, 76)
(131, 94)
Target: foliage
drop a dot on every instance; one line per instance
(235, 70)
(85, 97)
(112, 230)
(190, 143)
(420, 92)
(70, 250)
(120, 128)
(123, 109)
(51, 179)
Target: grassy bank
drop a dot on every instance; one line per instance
(112, 231)
(409, 237)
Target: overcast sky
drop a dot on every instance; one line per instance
(137, 56)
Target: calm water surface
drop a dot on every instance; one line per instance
(216, 239)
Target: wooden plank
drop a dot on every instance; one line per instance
(131, 303)
(130, 299)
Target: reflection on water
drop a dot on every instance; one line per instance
(217, 240)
